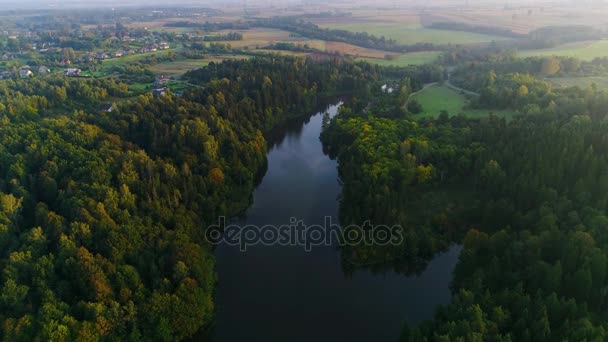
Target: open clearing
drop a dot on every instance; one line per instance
(582, 50)
(258, 38)
(412, 58)
(356, 51)
(181, 66)
(436, 98)
(112, 62)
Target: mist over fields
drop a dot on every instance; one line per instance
(67, 4)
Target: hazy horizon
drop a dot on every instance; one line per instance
(67, 4)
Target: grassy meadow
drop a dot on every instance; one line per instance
(179, 67)
(436, 98)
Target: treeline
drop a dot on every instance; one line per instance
(526, 198)
(501, 87)
(551, 36)
(490, 30)
(310, 30)
(550, 66)
(213, 47)
(287, 46)
(207, 26)
(102, 215)
(231, 36)
(284, 86)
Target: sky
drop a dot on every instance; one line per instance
(67, 4)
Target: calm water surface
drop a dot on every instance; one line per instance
(283, 293)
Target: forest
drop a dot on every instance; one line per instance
(526, 198)
(102, 213)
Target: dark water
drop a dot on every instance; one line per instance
(282, 293)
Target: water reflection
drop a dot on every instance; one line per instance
(283, 293)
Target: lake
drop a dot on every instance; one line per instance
(283, 293)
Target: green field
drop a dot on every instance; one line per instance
(412, 58)
(405, 34)
(109, 63)
(179, 67)
(583, 50)
(436, 98)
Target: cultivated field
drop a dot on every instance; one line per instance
(521, 19)
(356, 51)
(581, 50)
(258, 38)
(405, 34)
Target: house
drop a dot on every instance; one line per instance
(162, 79)
(102, 56)
(159, 91)
(387, 89)
(108, 108)
(118, 54)
(25, 73)
(72, 72)
(164, 45)
(5, 74)
(44, 70)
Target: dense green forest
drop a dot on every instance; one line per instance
(102, 213)
(526, 198)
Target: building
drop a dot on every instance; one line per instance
(72, 72)
(108, 108)
(25, 73)
(159, 91)
(5, 75)
(162, 79)
(44, 70)
(102, 56)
